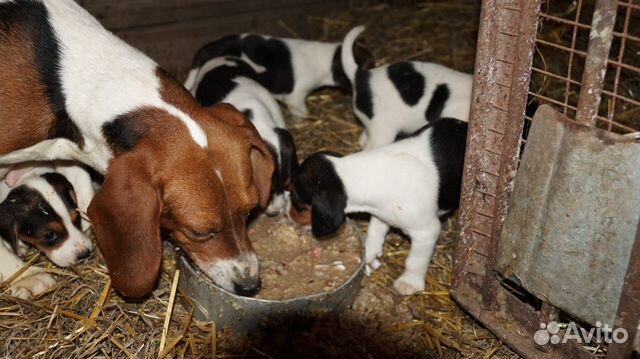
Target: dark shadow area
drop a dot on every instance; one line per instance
(323, 336)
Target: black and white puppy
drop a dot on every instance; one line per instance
(406, 184)
(400, 98)
(228, 79)
(289, 68)
(41, 207)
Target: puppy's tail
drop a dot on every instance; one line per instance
(190, 82)
(348, 59)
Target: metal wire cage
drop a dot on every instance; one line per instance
(583, 58)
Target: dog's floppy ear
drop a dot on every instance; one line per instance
(289, 155)
(14, 175)
(262, 161)
(328, 201)
(327, 211)
(262, 165)
(125, 215)
(11, 236)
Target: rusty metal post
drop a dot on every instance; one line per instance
(506, 44)
(628, 315)
(595, 67)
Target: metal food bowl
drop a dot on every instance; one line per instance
(245, 314)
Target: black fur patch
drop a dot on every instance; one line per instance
(316, 183)
(364, 102)
(409, 82)
(448, 141)
(248, 114)
(25, 215)
(275, 57)
(218, 83)
(32, 17)
(437, 102)
(230, 45)
(270, 53)
(124, 132)
(288, 154)
(337, 71)
(65, 191)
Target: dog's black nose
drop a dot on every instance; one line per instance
(84, 254)
(248, 288)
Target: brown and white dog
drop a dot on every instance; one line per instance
(69, 89)
(40, 206)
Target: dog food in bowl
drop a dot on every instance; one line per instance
(293, 263)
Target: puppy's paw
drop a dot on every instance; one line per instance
(32, 284)
(407, 286)
(362, 140)
(299, 113)
(372, 266)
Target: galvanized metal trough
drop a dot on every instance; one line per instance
(246, 315)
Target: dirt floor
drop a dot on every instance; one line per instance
(82, 318)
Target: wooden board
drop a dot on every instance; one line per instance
(171, 31)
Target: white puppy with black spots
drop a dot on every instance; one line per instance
(407, 184)
(230, 80)
(397, 99)
(288, 68)
(42, 207)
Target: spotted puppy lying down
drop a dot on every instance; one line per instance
(40, 208)
(400, 98)
(229, 79)
(407, 185)
(289, 68)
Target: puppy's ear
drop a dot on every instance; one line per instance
(327, 211)
(125, 215)
(14, 176)
(289, 155)
(262, 166)
(12, 237)
(329, 199)
(364, 58)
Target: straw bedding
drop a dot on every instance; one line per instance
(82, 318)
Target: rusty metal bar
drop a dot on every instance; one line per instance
(574, 36)
(623, 42)
(595, 67)
(584, 54)
(617, 125)
(628, 315)
(513, 124)
(587, 27)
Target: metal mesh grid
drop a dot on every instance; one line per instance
(561, 49)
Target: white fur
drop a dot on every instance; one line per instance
(391, 115)
(225, 273)
(77, 242)
(76, 175)
(34, 280)
(30, 283)
(102, 77)
(250, 95)
(311, 62)
(398, 185)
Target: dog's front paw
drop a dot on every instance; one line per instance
(407, 286)
(362, 140)
(298, 112)
(372, 266)
(32, 284)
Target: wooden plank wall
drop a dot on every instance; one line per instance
(170, 31)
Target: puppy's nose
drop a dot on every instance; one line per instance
(84, 254)
(248, 287)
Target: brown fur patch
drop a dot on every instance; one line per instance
(26, 116)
